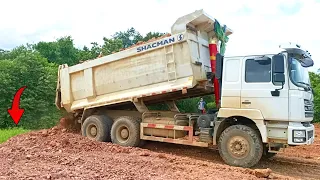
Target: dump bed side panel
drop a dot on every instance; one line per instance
(131, 72)
(137, 71)
(159, 70)
(166, 65)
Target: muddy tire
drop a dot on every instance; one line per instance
(241, 146)
(126, 131)
(97, 127)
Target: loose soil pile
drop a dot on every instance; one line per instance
(57, 154)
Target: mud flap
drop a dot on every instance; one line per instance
(58, 92)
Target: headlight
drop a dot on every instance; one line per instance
(299, 133)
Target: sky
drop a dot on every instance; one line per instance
(258, 26)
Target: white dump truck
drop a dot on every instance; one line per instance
(264, 101)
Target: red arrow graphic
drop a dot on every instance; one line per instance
(15, 111)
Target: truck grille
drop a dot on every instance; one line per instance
(306, 124)
(308, 108)
(310, 134)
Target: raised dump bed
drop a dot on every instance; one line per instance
(169, 68)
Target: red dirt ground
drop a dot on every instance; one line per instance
(300, 162)
(57, 154)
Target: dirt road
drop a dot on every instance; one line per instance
(301, 162)
(56, 154)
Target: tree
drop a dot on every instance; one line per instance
(111, 45)
(151, 35)
(84, 54)
(124, 36)
(3, 54)
(61, 51)
(315, 83)
(15, 52)
(32, 70)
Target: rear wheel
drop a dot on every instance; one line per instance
(126, 131)
(240, 145)
(97, 127)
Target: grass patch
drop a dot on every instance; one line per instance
(5, 134)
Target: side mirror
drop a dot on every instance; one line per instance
(219, 66)
(278, 69)
(278, 73)
(278, 78)
(278, 64)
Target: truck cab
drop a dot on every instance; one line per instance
(273, 93)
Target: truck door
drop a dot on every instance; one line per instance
(256, 89)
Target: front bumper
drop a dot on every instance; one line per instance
(309, 134)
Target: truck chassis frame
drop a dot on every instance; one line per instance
(190, 141)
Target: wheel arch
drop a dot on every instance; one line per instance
(224, 123)
(93, 111)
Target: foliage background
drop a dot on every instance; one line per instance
(35, 66)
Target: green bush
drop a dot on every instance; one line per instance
(315, 83)
(211, 105)
(32, 70)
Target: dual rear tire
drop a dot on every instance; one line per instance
(97, 127)
(124, 131)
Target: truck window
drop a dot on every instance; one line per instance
(257, 71)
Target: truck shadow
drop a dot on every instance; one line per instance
(295, 167)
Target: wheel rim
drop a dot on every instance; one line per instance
(123, 133)
(238, 147)
(92, 131)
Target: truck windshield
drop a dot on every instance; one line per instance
(299, 75)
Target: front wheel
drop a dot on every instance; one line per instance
(241, 146)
